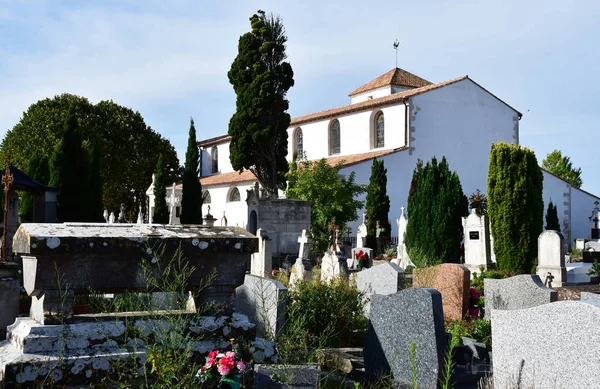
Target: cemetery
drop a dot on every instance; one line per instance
(300, 279)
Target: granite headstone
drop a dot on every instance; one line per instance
(383, 279)
(518, 292)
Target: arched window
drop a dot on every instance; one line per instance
(334, 137)
(234, 195)
(214, 155)
(298, 142)
(379, 130)
(206, 197)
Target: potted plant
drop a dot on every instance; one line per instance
(81, 304)
(360, 257)
(594, 271)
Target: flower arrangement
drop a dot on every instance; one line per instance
(274, 272)
(474, 303)
(222, 367)
(360, 256)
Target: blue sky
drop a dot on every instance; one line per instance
(169, 60)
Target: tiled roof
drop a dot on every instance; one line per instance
(396, 76)
(228, 178)
(381, 101)
(248, 176)
(213, 141)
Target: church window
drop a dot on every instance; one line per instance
(299, 142)
(334, 137)
(234, 195)
(214, 160)
(206, 197)
(379, 130)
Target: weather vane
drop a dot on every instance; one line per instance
(396, 44)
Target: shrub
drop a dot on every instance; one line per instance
(479, 329)
(515, 206)
(477, 281)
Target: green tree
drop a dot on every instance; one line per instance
(436, 204)
(94, 206)
(378, 202)
(161, 213)
(191, 201)
(128, 147)
(38, 169)
(562, 167)
(552, 222)
(332, 196)
(515, 206)
(71, 175)
(261, 78)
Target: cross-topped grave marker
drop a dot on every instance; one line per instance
(305, 240)
(7, 181)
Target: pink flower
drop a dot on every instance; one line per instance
(274, 272)
(210, 363)
(230, 354)
(241, 366)
(224, 370)
(213, 354)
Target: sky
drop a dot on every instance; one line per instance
(169, 59)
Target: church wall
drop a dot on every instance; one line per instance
(374, 94)
(355, 133)
(236, 212)
(223, 158)
(559, 191)
(582, 205)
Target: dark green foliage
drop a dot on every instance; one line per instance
(94, 207)
(191, 201)
(562, 167)
(261, 79)
(436, 204)
(515, 206)
(331, 196)
(378, 202)
(161, 213)
(128, 147)
(38, 169)
(552, 222)
(70, 175)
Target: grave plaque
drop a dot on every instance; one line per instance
(474, 235)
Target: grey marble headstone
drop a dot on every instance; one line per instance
(396, 321)
(384, 279)
(286, 376)
(534, 347)
(263, 301)
(589, 296)
(518, 292)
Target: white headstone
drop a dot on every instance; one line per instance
(331, 267)
(111, 218)
(299, 269)
(551, 259)
(402, 258)
(305, 241)
(361, 233)
(261, 263)
(105, 214)
(476, 242)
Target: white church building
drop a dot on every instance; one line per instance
(398, 118)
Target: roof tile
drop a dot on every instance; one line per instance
(396, 76)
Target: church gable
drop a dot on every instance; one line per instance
(396, 80)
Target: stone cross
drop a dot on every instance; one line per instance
(304, 241)
(8, 181)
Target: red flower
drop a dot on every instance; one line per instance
(213, 354)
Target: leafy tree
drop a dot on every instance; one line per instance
(332, 196)
(38, 169)
(71, 175)
(191, 201)
(436, 204)
(128, 147)
(378, 202)
(552, 222)
(515, 206)
(261, 78)
(94, 206)
(562, 167)
(161, 212)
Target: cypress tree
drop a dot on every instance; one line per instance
(38, 169)
(436, 204)
(515, 206)
(378, 202)
(161, 213)
(70, 174)
(552, 222)
(191, 201)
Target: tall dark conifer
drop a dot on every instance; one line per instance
(191, 201)
(94, 206)
(161, 212)
(552, 222)
(378, 201)
(38, 169)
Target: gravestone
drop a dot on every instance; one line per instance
(589, 296)
(518, 292)
(9, 295)
(263, 300)
(332, 266)
(551, 259)
(383, 279)
(548, 346)
(108, 257)
(476, 242)
(302, 270)
(453, 281)
(402, 259)
(261, 263)
(353, 261)
(591, 251)
(397, 321)
(286, 376)
(361, 233)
